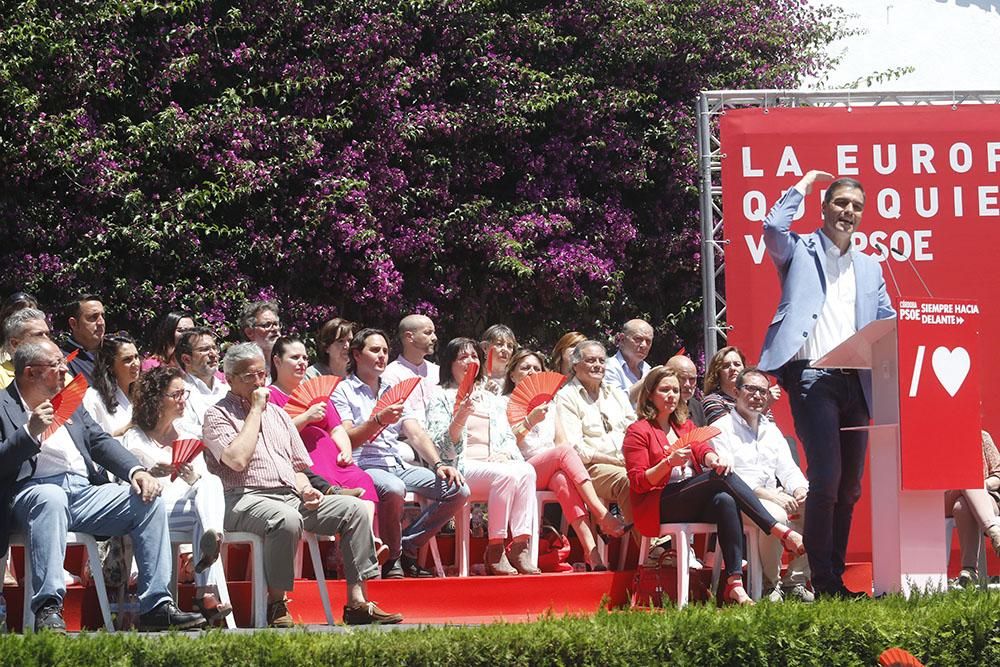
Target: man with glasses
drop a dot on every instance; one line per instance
(761, 456)
(595, 415)
(52, 485)
(262, 326)
(627, 368)
(258, 454)
(25, 325)
(85, 320)
(197, 353)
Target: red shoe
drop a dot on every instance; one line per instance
(734, 592)
(792, 542)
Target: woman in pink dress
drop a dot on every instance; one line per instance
(320, 428)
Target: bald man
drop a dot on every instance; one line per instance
(627, 368)
(687, 374)
(417, 340)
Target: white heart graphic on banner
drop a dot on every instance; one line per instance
(951, 367)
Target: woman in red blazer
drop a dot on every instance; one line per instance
(694, 483)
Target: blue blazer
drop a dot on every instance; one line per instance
(17, 446)
(801, 264)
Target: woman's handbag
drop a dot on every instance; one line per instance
(553, 551)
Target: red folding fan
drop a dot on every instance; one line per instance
(534, 390)
(397, 393)
(66, 402)
(465, 387)
(897, 657)
(184, 451)
(72, 355)
(700, 434)
(309, 393)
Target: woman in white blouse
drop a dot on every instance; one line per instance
(194, 500)
(117, 368)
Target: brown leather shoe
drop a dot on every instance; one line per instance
(278, 616)
(369, 613)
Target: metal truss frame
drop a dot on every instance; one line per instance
(713, 103)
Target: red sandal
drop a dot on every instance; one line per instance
(734, 593)
(792, 545)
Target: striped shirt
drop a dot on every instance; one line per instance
(279, 453)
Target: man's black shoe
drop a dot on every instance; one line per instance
(842, 593)
(411, 568)
(49, 617)
(392, 569)
(168, 617)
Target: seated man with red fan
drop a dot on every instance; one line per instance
(418, 341)
(51, 485)
(192, 495)
(375, 417)
(258, 454)
(760, 456)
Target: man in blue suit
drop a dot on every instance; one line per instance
(50, 485)
(828, 292)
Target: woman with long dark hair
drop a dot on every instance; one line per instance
(108, 399)
(170, 329)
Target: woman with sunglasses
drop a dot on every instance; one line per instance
(108, 400)
(542, 441)
(194, 500)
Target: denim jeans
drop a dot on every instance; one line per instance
(49, 507)
(823, 401)
(392, 483)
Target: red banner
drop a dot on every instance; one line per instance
(932, 182)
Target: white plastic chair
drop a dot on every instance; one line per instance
(93, 557)
(176, 540)
(679, 534)
(258, 584)
(462, 536)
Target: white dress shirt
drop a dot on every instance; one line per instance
(618, 374)
(837, 320)
(761, 458)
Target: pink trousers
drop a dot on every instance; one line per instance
(560, 470)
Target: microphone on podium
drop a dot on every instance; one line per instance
(899, 253)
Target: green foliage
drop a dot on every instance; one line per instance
(959, 628)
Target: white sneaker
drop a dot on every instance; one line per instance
(693, 562)
(776, 594)
(798, 592)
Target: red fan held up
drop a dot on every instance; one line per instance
(465, 388)
(66, 402)
(309, 393)
(534, 390)
(700, 434)
(397, 393)
(184, 452)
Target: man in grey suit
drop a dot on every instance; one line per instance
(828, 292)
(50, 485)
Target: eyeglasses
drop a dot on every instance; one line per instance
(753, 389)
(53, 364)
(253, 376)
(266, 326)
(180, 394)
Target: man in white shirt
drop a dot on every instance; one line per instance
(761, 457)
(595, 415)
(198, 355)
(828, 292)
(628, 367)
(418, 341)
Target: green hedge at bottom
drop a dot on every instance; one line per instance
(953, 629)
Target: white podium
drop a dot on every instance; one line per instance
(911, 463)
